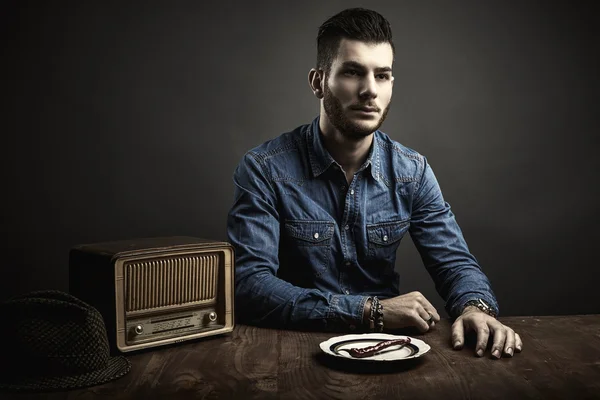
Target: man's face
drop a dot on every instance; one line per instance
(358, 87)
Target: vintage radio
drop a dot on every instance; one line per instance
(156, 291)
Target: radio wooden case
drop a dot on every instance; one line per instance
(156, 291)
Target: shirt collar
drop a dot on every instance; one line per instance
(321, 160)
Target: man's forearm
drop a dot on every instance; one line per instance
(262, 298)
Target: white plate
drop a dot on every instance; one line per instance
(337, 346)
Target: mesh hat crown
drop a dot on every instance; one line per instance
(55, 341)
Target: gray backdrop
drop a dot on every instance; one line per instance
(126, 119)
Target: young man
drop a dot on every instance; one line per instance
(319, 211)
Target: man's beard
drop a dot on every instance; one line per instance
(347, 127)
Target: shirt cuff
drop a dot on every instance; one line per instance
(346, 312)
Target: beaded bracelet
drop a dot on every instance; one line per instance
(372, 316)
(376, 318)
(379, 317)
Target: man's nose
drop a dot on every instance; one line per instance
(368, 87)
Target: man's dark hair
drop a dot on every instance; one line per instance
(354, 24)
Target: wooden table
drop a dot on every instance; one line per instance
(560, 360)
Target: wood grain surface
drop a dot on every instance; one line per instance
(560, 360)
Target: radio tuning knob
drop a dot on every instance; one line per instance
(139, 329)
(212, 317)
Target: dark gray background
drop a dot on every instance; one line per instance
(126, 119)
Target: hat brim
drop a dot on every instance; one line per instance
(116, 368)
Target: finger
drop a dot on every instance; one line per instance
(418, 320)
(426, 316)
(483, 335)
(499, 340)
(509, 345)
(429, 307)
(518, 343)
(458, 334)
(435, 315)
(423, 313)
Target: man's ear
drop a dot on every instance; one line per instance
(316, 82)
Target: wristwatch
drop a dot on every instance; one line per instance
(483, 306)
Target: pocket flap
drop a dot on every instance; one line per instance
(310, 231)
(387, 233)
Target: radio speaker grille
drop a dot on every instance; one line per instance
(171, 281)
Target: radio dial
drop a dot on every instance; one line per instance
(212, 317)
(139, 329)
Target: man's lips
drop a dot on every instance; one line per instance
(366, 109)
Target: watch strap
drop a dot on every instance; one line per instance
(483, 306)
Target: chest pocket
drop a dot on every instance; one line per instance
(384, 239)
(310, 243)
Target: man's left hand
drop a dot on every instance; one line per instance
(505, 340)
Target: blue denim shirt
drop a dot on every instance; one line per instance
(310, 249)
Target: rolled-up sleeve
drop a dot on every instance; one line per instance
(438, 238)
(253, 228)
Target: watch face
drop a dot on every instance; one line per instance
(484, 304)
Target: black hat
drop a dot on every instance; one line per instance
(52, 341)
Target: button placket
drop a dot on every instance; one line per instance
(348, 219)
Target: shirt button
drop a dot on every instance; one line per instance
(346, 227)
(347, 263)
(347, 291)
(351, 191)
(316, 235)
(385, 238)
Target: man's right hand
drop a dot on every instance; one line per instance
(407, 310)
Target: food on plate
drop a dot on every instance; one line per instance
(371, 350)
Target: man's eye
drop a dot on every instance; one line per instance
(385, 77)
(351, 72)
